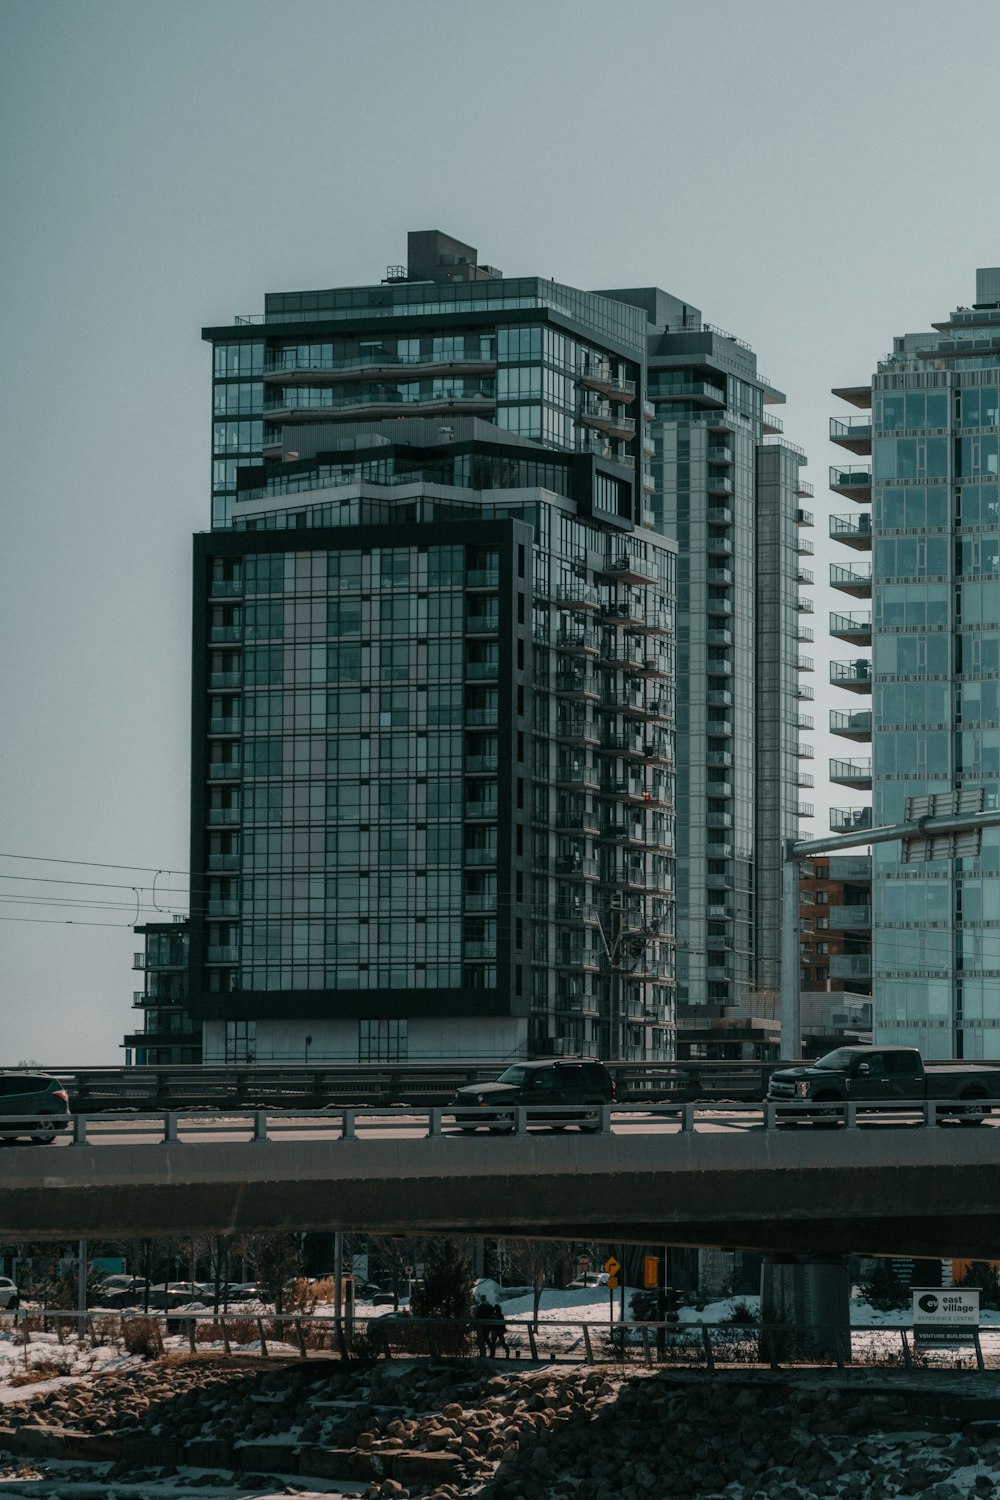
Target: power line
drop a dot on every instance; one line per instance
(93, 864)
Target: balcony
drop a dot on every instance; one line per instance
(719, 515)
(720, 729)
(852, 726)
(771, 423)
(577, 596)
(572, 776)
(856, 581)
(850, 965)
(850, 918)
(719, 484)
(856, 676)
(374, 405)
(855, 434)
(721, 455)
(482, 578)
(479, 765)
(228, 725)
(719, 666)
(577, 822)
(722, 789)
(481, 855)
(850, 819)
(856, 533)
(577, 639)
(854, 395)
(224, 770)
(719, 546)
(698, 391)
(719, 637)
(576, 729)
(485, 810)
(720, 607)
(804, 750)
(853, 773)
(634, 570)
(580, 685)
(290, 369)
(485, 670)
(804, 664)
(856, 629)
(482, 622)
(225, 679)
(804, 517)
(855, 484)
(804, 605)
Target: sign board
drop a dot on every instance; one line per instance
(945, 1313)
(583, 1262)
(612, 1266)
(612, 1282)
(359, 1267)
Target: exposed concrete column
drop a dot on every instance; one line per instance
(805, 1290)
(790, 1012)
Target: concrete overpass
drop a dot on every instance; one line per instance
(897, 1191)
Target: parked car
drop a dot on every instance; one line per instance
(586, 1280)
(23, 1095)
(543, 1087)
(9, 1294)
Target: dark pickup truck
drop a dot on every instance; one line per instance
(883, 1075)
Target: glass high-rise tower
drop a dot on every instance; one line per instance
(932, 427)
(497, 629)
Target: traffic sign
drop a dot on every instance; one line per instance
(583, 1262)
(612, 1282)
(612, 1266)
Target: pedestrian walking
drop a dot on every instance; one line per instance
(482, 1313)
(498, 1330)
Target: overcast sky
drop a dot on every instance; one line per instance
(814, 177)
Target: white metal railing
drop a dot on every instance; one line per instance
(348, 1123)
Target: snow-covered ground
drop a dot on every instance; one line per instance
(560, 1335)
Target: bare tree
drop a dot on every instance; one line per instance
(528, 1261)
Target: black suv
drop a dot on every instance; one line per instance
(541, 1087)
(23, 1095)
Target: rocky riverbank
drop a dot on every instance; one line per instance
(442, 1432)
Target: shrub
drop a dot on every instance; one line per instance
(742, 1315)
(142, 1336)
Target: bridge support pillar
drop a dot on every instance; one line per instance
(805, 1307)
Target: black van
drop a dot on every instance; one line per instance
(25, 1094)
(541, 1087)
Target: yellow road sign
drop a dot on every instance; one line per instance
(612, 1266)
(612, 1282)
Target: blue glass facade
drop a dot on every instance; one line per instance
(935, 632)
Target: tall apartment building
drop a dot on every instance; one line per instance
(835, 926)
(433, 725)
(728, 489)
(169, 1033)
(442, 689)
(931, 523)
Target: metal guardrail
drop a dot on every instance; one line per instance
(174, 1127)
(313, 1085)
(694, 1345)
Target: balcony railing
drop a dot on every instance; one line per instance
(850, 819)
